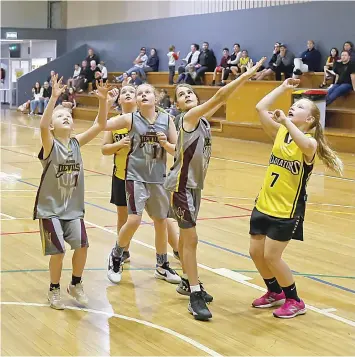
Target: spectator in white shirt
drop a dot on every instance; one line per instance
(37, 93)
(173, 57)
(139, 63)
(189, 62)
(104, 73)
(73, 80)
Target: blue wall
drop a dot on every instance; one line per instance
(40, 34)
(329, 23)
(63, 65)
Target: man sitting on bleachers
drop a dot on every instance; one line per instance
(139, 63)
(92, 56)
(309, 60)
(189, 62)
(206, 63)
(345, 78)
(284, 63)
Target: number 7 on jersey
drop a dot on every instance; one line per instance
(276, 176)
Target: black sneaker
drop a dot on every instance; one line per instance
(114, 268)
(164, 272)
(184, 289)
(198, 308)
(126, 257)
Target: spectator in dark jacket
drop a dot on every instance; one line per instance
(206, 62)
(153, 62)
(222, 66)
(136, 81)
(271, 65)
(309, 61)
(349, 47)
(93, 74)
(47, 93)
(92, 56)
(82, 82)
(284, 63)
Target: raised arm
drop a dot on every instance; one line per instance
(122, 122)
(263, 107)
(45, 123)
(307, 145)
(100, 121)
(193, 115)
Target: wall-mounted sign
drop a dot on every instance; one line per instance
(11, 35)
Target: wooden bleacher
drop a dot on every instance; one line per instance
(238, 118)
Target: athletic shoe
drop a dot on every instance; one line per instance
(198, 308)
(176, 255)
(184, 289)
(55, 299)
(114, 268)
(164, 272)
(126, 257)
(270, 299)
(77, 292)
(291, 308)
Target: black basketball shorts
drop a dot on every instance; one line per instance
(118, 192)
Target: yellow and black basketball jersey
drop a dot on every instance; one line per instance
(283, 193)
(120, 157)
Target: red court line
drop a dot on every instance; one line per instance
(227, 204)
(223, 217)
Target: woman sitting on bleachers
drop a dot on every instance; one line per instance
(328, 68)
(37, 92)
(270, 69)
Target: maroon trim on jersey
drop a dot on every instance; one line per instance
(131, 199)
(83, 236)
(187, 157)
(39, 189)
(50, 231)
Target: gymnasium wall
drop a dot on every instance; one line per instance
(110, 12)
(329, 23)
(24, 14)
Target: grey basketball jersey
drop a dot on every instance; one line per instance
(146, 161)
(61, 191)
(192, 156)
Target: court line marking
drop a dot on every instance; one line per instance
(331, 309)
(167, 330)
(7, 216)
(241, 281)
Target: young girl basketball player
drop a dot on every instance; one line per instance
(145, 174)
(280, 206)
(186, 178)
(59, 202)
(118, 143)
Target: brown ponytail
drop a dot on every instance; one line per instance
(324, 152)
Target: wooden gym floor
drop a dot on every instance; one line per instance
(144, 316)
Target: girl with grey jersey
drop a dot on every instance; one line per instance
(59, 202)
(186, 178)
(145, 175)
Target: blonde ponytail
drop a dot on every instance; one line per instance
(324, 152)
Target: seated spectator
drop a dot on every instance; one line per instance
(284, 63)
(68, 99)
(93, 74)
(153, 62)
(244, 62)
(271, 65)
(49, 80)
(37, 94)
(126, 79)
(164, 99)
(72, 81)
(309, 60)
(189, 62)
(349, 47)
(82, 82)
(206, 63)
(222, 65)
(47, 93)
(232, 63)
(139, 64)
(172, 57)
(328, 68)
(104, 73)
(135, 80)
(345, 78)
(92, 56)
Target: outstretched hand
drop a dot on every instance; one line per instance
(251, 71)
(102, 90)
(291, 83)
(57, 87)
(112, 95)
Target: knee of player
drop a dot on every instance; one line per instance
(256, 252)
(271, 257)
(133, 220)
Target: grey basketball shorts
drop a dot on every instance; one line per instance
(184, 207)
(149, 196)
(54, 232)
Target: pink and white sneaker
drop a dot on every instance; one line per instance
(291, 308)
(270, 299)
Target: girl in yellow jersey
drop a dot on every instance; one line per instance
(280, 206)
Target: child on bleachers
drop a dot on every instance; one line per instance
(244, 62)
(173, 57)
(328, 68)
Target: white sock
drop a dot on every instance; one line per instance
(195, 288)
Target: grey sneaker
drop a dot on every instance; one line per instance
(55, 300)
(77, 292)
